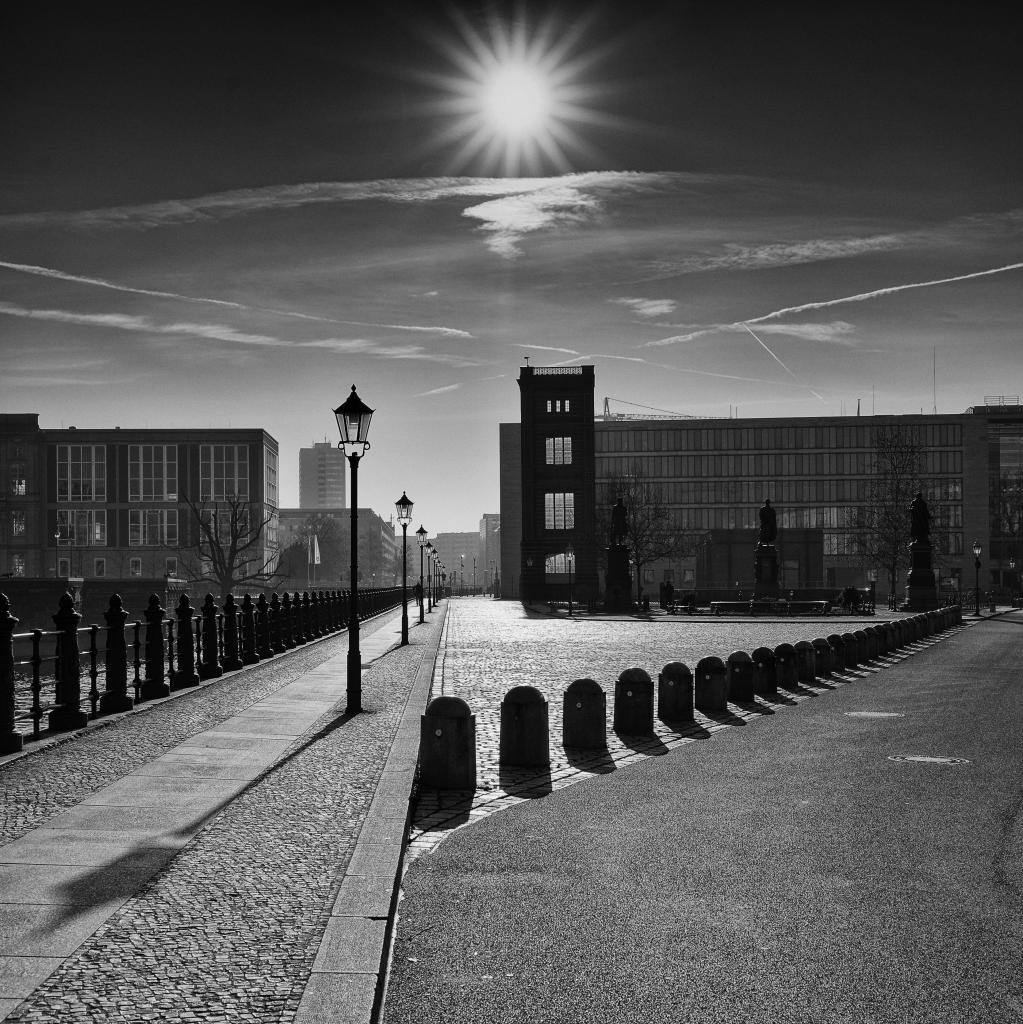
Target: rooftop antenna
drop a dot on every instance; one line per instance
(526, 359)
(934, 378)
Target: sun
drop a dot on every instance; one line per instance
(515, 96)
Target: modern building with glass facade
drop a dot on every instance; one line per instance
(321, 476)
(714, 475)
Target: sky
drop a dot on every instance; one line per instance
(227, 215)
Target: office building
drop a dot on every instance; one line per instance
(321, 476)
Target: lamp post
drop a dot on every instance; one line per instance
(976, 566)
(353, 417)
(1012, 586)
(429, 576)
(404, 508)
(473, 575)
(570, 559)
(56, 555)
(421, 537)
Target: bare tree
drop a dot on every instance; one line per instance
(653, 532)
(881, 527)
(230, 549)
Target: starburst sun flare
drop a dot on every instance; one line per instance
(515, 97)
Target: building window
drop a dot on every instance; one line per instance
(170, 566)
(18, 485)
(17, 524)
(150, 527)
(152, 472)
(559, 511)
(17, 564)
(559, 405)
(134, 566)
(223, 471)
(270, 488)
(559, 451)
(86, 527)
(64, 567)
(99, 567)
(81, 472)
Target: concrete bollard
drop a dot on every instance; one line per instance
(525, 739)
(851, 650)
(711, 685)
(765, 677)
(806, 662)
(675, 693)
(186, 674)
(740, 670)
(862, 645)
(634, 703)
(785, 666)
(876, 634)
(68, 713)
(838, 646)
(11, 740)
(209, 666)
(447, 745)
(115, 695)
(584, 719)
(825, 657)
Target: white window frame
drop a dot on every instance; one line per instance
(152, 527)
(558, 451)
(91, 484)
(83, 527)
(99, 567)
(134, 566)
(152, 472)
(223, 472)
(559, 510)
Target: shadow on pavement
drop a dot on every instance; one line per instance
(643, 744)
(687, 729)
(598, 761)
(524, 783)
(723, 717)
(754, 707)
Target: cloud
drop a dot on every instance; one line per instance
(99, 282)
(836, 332)
(548, 348)
(245, 202)
(648, 307)
(437, 391)
(224, 332)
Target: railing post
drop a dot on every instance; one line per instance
(69, 714)
(276, 625)
(315, 618)
(137, 658)
(249, 655)
(115, 693)
(186, 674)
(263, 628)
(287, 635)
(308, 624)
(232, 662)
(93, 670)
(11, 741)
(209, 668)
(298, 619)
(37, 685)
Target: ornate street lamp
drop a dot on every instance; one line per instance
(570, 559)
(353, 417)
(421, 537)
(1012, 573)
(976, 566)
(404, 508)
(429, 575)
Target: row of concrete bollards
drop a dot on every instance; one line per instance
(447, 750)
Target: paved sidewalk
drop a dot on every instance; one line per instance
(224, 878)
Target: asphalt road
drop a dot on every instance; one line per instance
(784, 870)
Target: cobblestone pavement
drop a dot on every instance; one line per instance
(229, 929)
(491, 646)
(51, 779)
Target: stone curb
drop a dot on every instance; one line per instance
(349, 974)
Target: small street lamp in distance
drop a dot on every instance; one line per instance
(353, 418)
(429, 575)
(421, 537)
(976, 566)
(570, 559)
(404, 508)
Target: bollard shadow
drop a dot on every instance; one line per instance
(652, 745)
(597, 760)
(687, 728)
(439, 810)
(526, 782)
(754, 706)
(777, 698)
(722, 717)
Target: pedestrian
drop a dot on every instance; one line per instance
(417, 590)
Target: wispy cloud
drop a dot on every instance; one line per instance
(836, 332)
(648, 307)
(774, 356)
(99, 282)
(548, 348)
(739, 325)
(446, 388)
(226, 333)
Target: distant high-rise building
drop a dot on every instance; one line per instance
(321, 476)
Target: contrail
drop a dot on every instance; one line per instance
(860, 297)
(780, 363)
(883, 291)
(99, 282)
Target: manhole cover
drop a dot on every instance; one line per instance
(928, 759)
(874, 714)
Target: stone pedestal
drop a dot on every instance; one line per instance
(765, 570)
(618, 584)
(921, 589)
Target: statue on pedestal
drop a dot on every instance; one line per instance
(619, 524)
(919, 518)
(765, 558)
(921, 589)
(768, 523)
(618, 585)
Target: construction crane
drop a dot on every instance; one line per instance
(665, 414)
